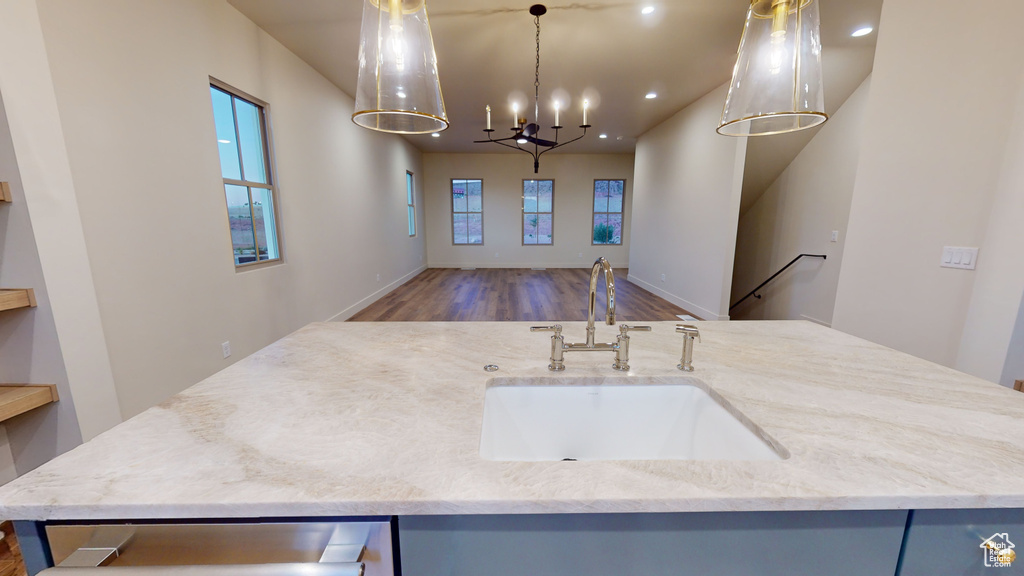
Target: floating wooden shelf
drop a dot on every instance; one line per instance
(20, 298)
(5, 192)
(20, 398)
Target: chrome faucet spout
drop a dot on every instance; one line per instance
(600, 265)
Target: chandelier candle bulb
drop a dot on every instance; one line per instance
(515, 117)
(586, 104)
(556, 114)
(488, 116)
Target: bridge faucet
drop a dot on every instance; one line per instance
(621, 345)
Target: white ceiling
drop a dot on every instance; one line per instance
(605, 49)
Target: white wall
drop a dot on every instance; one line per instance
(686, 199)
(8, 469)
(945, 82)
(999, 282)
(30, 352)
(1013, 368)
(503, 176)
(131, 81)
(44, 180)
(796, 215)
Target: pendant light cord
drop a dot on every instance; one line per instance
(536, 78)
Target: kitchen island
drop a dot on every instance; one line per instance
(384, 419)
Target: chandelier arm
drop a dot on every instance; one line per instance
(501, 143)
(491, 138)
(563, 143)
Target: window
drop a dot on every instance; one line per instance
(410, 200)
(467, 212)
(538, 208)
(244, 146)
(608, 211)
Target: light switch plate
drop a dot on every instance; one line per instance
(959, 257)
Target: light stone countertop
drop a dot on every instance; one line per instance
(384, 418)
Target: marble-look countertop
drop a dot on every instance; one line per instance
(385, 418)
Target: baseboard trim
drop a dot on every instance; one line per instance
(362, 304)
(699, 311)
(520, 266)
(816, 321)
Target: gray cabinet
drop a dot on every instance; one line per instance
(949, 542)
(853, 543)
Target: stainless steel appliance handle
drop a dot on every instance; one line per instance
(282, 569)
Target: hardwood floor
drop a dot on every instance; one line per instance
(11, 562)
(557, 294)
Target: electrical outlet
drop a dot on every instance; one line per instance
(662, 277)
(835, 235)
(957, 257)
(495, 254)
(225, 347)
(581, 254)
(378, 277)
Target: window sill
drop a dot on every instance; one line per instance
(247, 266)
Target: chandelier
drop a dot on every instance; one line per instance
(527, 134)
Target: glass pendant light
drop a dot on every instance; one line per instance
(398, 89)
(776, 84)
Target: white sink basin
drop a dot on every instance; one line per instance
(543, 419)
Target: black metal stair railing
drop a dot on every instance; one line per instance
(783, 269)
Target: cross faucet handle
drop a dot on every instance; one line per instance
(690, 331)
(557, 346)
(622, 346)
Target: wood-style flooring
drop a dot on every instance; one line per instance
(11, 562)
(557, 294)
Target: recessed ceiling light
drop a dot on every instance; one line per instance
(224, 141)
(603, 136)
(618, 137)
(647, 10)
(862, 31)
(435, 134)
(651, 95)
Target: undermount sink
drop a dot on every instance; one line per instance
(548, 419)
